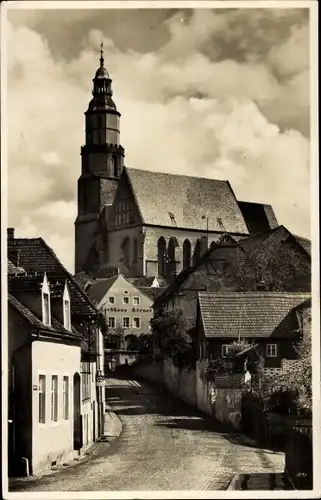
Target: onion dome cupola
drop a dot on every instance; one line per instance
(102, 91)
(102, 117)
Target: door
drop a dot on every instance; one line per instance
(77, 415)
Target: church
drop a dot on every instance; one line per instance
(143, 223)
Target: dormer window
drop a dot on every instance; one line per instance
(45, 293)
(67, 312)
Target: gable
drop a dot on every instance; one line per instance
(35, 256)
(124, 211)
(116, 286)
(122, 285)
(181, 201)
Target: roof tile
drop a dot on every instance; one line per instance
(248, 315)
(187, 201)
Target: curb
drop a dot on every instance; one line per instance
(235, 482)
(113, 426)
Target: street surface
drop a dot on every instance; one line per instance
(164, 445)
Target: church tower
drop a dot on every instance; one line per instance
(102, 160)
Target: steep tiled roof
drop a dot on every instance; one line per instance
(304, 243)
(250, 315)
(147, 281)
(254, 241)
(99, 287)
(258, 217)
(56, 327)
(151, 292)
(13, 269)
(36, 256)
(181, 201)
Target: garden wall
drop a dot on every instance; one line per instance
(193, 387)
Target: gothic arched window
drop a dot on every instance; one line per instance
(187, 253)
(171, 269)
(197, 252)
(161, 256)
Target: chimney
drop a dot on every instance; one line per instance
(10, 233)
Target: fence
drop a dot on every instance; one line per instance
(299, 454)
(291, 434)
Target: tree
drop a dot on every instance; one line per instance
(275, 265)
(295, 385)
(169, 332)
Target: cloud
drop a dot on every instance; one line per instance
(190, 104)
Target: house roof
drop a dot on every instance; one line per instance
(146, 281)
(181, 201)
(254, 241)
(151, 292)
(248, 315)
(36, 256)
(99, 287)
(56, 327)
(13, 269)
(304, 243)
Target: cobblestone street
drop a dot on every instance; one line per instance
(164, 445)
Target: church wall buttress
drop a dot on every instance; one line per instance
(122, 250)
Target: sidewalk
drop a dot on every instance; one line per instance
(256, 482)
(112, 429)
(112, 424)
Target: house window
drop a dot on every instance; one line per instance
(225, 348)
(67, 324)
(54, 398)
(125, 322)
(111, 322)
(136, 322)
(65, 397)
(46, 309)
(42, 399)
(111, 300)
(125, 300)
(86, 385)
(136, 301)
(271, 350)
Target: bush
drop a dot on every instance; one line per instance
(170, 336)
(218, 367)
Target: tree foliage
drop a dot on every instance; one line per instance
(170, 336)
(277, 266)
(237, 364)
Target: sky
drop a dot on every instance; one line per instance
(218, 93)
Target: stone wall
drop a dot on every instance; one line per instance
(152, 372)
(192, 386)
(181, 382)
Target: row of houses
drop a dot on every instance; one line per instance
(55, 356)
(257, 288)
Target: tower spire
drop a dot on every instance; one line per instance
(102, 60)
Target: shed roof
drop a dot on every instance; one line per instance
(248, 315)
(181, 201)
